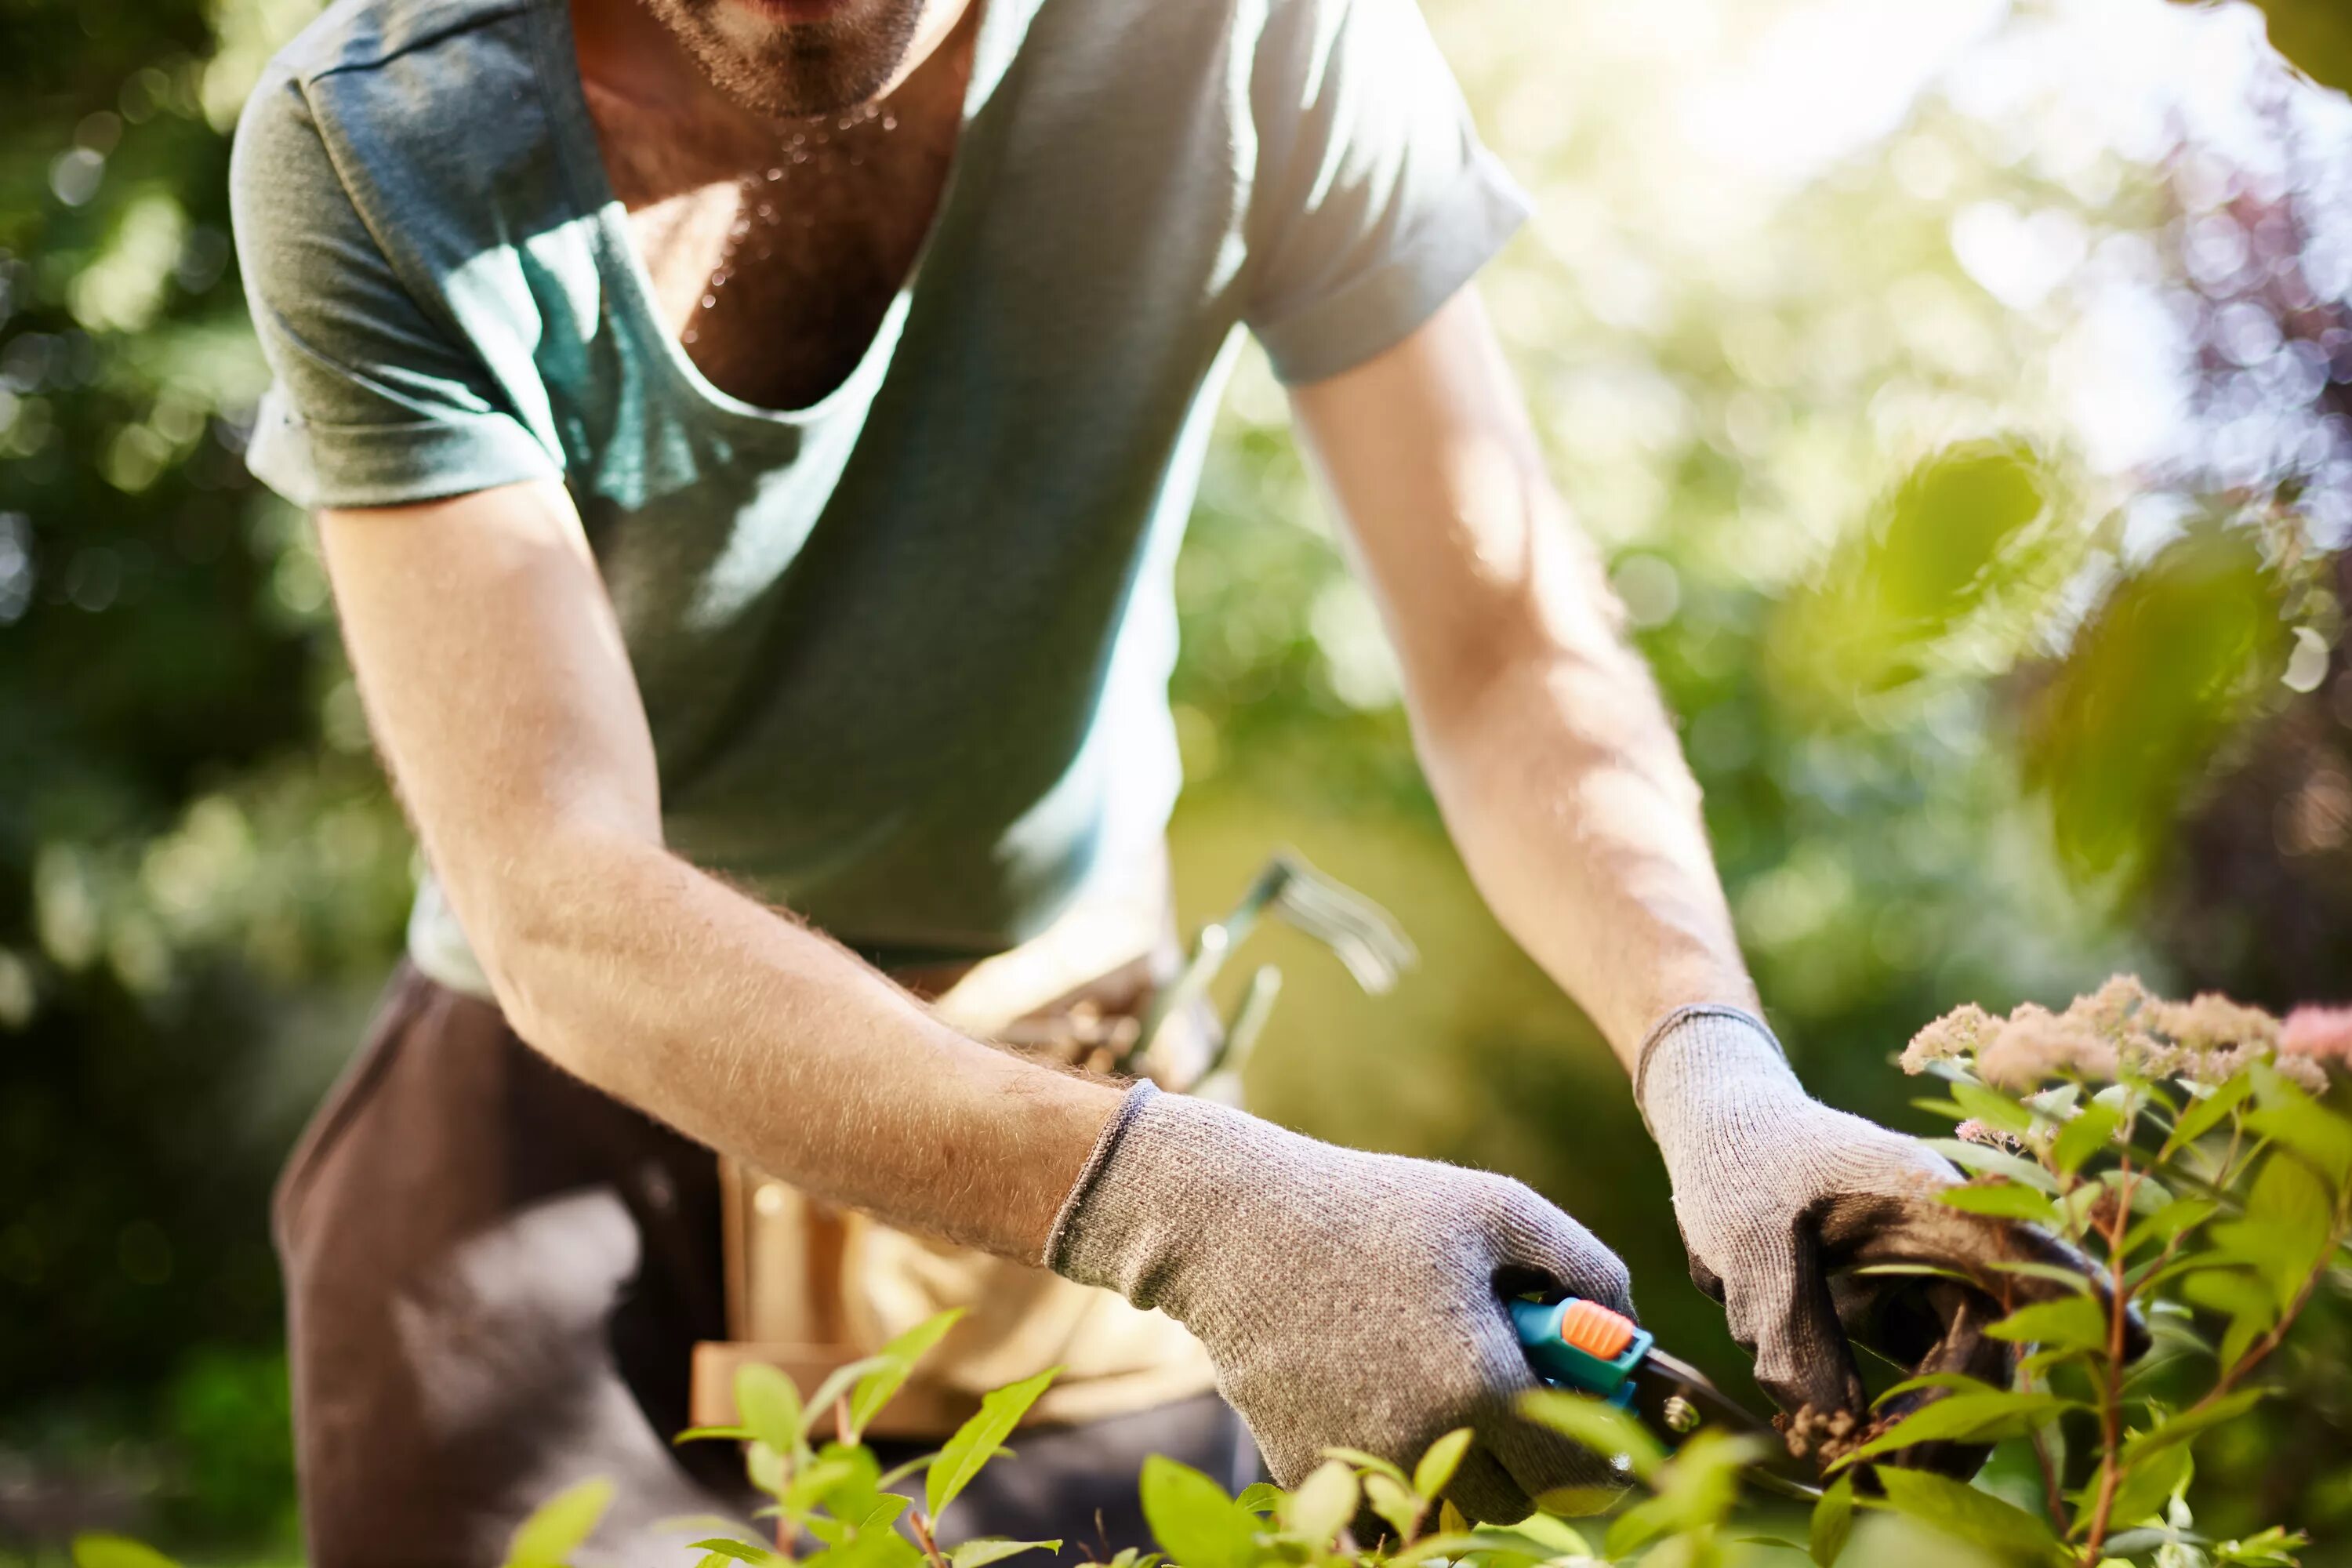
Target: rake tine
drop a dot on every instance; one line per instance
(1363, 936)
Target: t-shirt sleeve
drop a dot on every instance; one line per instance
(373, 401)
(1374, 201)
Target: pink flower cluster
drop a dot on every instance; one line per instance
(2318, 1034)
(2124, 1026)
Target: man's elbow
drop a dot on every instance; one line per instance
(543, 919)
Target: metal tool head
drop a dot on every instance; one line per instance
(1675, 1397)
(1358, 933)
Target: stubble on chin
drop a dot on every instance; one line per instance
(794, 71)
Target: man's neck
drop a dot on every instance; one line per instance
(774, 247)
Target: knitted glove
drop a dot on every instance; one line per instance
(1348, 1300)
(1779, 1198)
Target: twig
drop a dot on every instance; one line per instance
(2111, 1423)
(2053, 1490)
(922, 1529)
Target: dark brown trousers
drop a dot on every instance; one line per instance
(495, 1277)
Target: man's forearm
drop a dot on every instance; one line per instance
(1542, 735)
(750, 1033)
(1564, 786)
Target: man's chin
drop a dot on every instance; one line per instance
(792, 13)
(801, 59)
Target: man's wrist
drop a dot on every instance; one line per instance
(1704, 1062)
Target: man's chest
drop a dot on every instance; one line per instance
(774, 265)
(776, 282)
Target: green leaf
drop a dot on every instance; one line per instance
(816, 1482)
(1977, 1518)
(1458, 1545)
(2190, 1424)
(2002, 1200)
(1992, 1108)
(830, 1392)
(1394, 1502)
(728, 1549)
(2243, 1297)
(1364, 1462)
(2204, 1115)
(1913, 1271)
(981, 1553)
(1192, 1519)
(1993, 1162)
(766, 1468)
(769, 1405)
(2057, 1104)
(2071, 1323)
(1959, 1382)
(2175, 1219)
(1833, 1522)
(1967, 1419)
(1694, 1492)
(852, 1489)
(879, 1516)
(703, 1434)
(981, 1440)
(879, 1388)
(1437, 1465)
(1260, 1497)
(1540, 1536)
(870, 1549)
(2285, 1230)
(2092, 1129)
(2271, 1548)
(2321, 1138)
(2054, 1273)
(98, 1550)
(559, 1526)
(1319, 1507)
(1602, 1427)
(2141, 1492)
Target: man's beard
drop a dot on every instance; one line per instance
(795, 70)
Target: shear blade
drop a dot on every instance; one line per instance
(1662, 1378)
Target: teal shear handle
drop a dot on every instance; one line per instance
(1582, 1345)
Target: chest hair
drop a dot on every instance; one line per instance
(775, 251)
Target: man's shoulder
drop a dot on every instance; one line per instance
(411, 108)
(361, 36)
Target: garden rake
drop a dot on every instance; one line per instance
(1363, 936)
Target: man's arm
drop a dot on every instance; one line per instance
(1560, 778)
(1552, 757)
(495, 678)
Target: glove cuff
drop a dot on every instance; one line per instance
(1061, 1240)
(1708, 1057)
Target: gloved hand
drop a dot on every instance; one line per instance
(1348, 1300)
(1780, 1197)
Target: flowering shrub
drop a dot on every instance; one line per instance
(2187, 1148)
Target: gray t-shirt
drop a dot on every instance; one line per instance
(905, 652)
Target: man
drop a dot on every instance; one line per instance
(748, 439)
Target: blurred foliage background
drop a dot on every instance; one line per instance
(1961, 390)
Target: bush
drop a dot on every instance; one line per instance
(2185, 1148)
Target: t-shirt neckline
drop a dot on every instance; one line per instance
(1003, 23)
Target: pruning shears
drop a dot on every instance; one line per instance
(1589, 1349)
